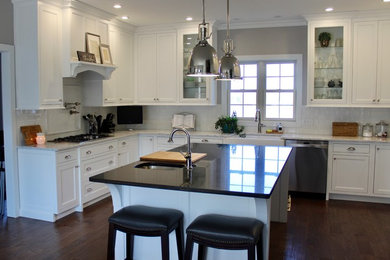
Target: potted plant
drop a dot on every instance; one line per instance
(324, 39)
(228, 124)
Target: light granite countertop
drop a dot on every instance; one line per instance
(335, 138)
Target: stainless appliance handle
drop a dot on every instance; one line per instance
(323, 146)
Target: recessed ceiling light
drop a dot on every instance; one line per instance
(117, 6)
(188, 18)
(125, 17)
(329, 9)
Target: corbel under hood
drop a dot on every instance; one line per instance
(91, 69)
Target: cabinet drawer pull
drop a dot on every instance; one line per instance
(205, 140)
(124, 143)
(377, 148)
(67, 157)
(373, 100)
(88, 169)
(88, 152)
(378, 100)
(77, 166)
(89, 189)
(351, 149)
(110, 147)
(111, 162)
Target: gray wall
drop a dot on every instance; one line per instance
(6, 22)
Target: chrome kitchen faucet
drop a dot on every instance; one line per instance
(187, 156)
(258, 120)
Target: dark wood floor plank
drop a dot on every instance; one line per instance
(316, 229)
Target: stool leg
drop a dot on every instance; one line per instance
(259, 249)
(189, 248)
(180, 240)
(129, 246)
(202, 250)
(251, 253)
(165, 246)
(111, 242)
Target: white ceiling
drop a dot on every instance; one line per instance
(148, 12)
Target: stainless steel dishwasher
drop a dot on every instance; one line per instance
(308, 166)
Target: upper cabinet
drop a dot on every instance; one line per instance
(328, 62)
(38, 56)
(192, 90)
(371, 55)
(156, 81)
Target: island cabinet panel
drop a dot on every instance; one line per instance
(382, 172)
(38, 55)
(49, 183)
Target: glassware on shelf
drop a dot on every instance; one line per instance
(381, 129)
(367, 130)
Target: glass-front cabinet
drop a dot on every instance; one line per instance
(193, 90)
(328, 62)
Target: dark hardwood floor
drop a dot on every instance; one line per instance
(316, 229)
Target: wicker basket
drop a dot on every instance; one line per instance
(345, 129)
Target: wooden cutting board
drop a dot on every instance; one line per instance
(172, 157)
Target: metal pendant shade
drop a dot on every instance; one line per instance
(204, 60)
(229, 68)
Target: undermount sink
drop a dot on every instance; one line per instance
(158, 166)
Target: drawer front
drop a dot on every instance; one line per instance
(66, 156)
(351, 148)
(94, 190)
(123, 145)
(206, 140)
(98, 165)
(93, 150)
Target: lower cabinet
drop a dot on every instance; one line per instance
(382, 172)
(127, 150)
(359, 169)
(48, 183)
(350, 173)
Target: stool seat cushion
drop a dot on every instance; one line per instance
(145, 218)
(223, 229)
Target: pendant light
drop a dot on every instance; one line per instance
(229, 68)
(204, 60)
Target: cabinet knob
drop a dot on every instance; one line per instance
(205, 141)
(334, 159)
(67, 157)
(378, 100)
(374, 100)
(377, 148)
(89, 189)
(88, 152)
(351, 149)
(124, 143)
(110, 147)
(88, 169)
(111, 162)
(77, 166)
(60, 100)
(311, 99)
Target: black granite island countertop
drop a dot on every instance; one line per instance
(240, 170)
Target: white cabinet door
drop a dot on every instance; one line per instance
(146, 145)
(350, 174)
(166, 68)
(127, 151)
(364, 63)
(383, 75)
(67, 186)
(146, 68)
(382, 173)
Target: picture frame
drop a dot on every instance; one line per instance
(86, 56)
(105, 54)
(93, 45)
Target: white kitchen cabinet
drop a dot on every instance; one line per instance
(328, 65)
(192, 90)
(127, 150)
(38, 55)
(95, 159)
(371, 54)
(382, 173)
(156, 81)
(49, 183)
(119, 89)
(350, 174)
(146, 144)
(164, 145)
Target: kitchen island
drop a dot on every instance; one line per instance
(240, 180)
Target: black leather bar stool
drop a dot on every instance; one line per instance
(146, 221)
(225, 232)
